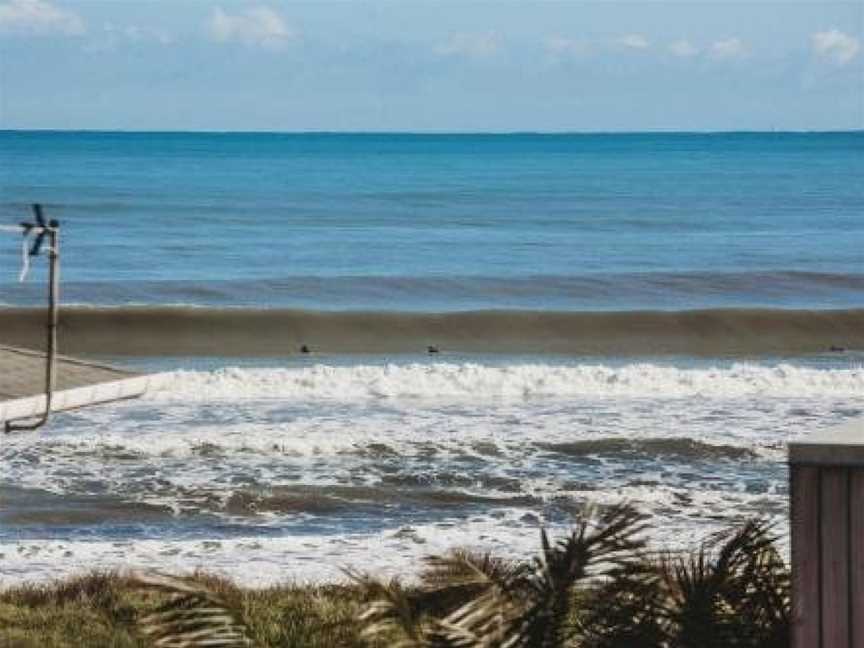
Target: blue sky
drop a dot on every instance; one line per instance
(431, 66)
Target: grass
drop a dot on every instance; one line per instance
(104, 609)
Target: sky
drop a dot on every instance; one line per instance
(431, 66)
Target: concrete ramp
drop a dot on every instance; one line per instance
(79, 383)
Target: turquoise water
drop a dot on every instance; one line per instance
(445, 222)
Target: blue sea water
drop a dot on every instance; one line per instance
(444, 222)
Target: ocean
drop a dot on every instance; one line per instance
(624, 317)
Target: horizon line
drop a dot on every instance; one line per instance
(433, 133)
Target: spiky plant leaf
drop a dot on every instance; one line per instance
(391, 614)
(453, 579)
(193, 616)
(625, 610)
(696, 608)
(595, 588)
(758, 591)
(461, 569)
(535, 609)
(600, 544)
(486, 620)
(439, 612)
(735, 591)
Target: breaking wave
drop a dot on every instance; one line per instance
(222, 332)
(476, 381)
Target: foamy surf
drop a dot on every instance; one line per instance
(476, 381)
(296, 471)
(261, 560)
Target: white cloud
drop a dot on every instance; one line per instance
(634, 41)
(730, 48)
(113, 36)
(835, 46)
(559, 47)
(259, 26)
(683, 49)
(39, 16)
(473, 46)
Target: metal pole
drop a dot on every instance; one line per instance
(53, 315)
(53, 231)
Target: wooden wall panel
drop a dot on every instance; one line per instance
(805, 556)
(835, 557)
(856, 555)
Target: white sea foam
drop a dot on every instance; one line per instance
(257, 560)
(519, 444)
(476, 381)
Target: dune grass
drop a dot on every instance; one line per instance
(104, 609)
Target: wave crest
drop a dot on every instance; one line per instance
(473, 381)
(154, 331)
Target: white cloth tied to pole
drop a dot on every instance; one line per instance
(27, 233)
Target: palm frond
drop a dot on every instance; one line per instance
(598, 546)
(193, 616)
(625, 610)
(450, 606)
(735, 591)
(464, 569)
(483, 622)
(534, 608)
(696, 609)
(391, 614)
(594, 588)
(453, 579)
(758, 591)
